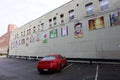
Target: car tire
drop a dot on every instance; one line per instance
(59, 69)
(41, 71)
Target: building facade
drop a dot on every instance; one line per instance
(77, 29)
(4, 39)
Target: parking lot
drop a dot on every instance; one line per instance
(17, 69)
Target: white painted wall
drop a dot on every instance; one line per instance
(101, 43)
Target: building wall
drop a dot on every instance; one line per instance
(4, 42)
(101, 42)
(4, 39)
(11, 27)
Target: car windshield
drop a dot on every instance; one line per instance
(49, 58)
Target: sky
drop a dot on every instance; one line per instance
(20, 12)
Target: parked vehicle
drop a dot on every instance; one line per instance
(53, 62)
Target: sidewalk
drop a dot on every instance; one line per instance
(3, 56)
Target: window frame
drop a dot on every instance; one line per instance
(62, 18)
(50, 22)
(89, 6)
(72, 14)
(100, 1)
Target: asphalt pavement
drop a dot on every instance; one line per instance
(19, 69)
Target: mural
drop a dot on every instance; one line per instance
(96, 23)
(31, 39)
(78, 32)
(115, 18)
(53, 33)
(64, 31)
(37, 37)
(44, 37)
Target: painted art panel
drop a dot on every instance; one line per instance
(78, 32)
(44, 37)
(37, 37)
(96, 23)
(115, 18)
(31, 39)
(53, 33)
(64, 31)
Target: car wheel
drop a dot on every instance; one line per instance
(41, 71)
(59, 68)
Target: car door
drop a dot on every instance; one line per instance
(63, 60)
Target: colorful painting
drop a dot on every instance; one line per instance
(37, 37)
(78, 32)
(64, 31)
(53, 33)
(44, 37)
(96, 23)
(115, 18)
(31, 39)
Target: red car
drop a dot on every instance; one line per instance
(51, 62)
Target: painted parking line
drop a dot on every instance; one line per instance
(67, 67)
(62, 70)
(96, 76)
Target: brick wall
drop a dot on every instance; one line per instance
(4, 39)
(4, 42)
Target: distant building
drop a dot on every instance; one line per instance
(4, 39)
(11, 27)
(77, 29)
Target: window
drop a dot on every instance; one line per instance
(38, 28)
(24, 33)
(23, 41)
(21, 33)
(49, 58)
(71, 14)
(62, 18)
(29, 31)
(50, 22)
(34, 29)
(17, 35)
(89, 8)
(104, 5)
(61, 57)
(54, 20)
(42, 26)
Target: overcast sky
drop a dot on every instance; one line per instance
(20, 12)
